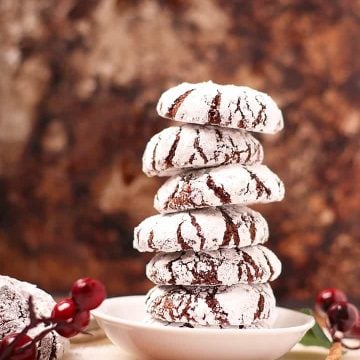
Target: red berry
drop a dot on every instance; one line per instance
(75, 319)
(78, 323)
(64, 310)
(19, 352)
(328, 297)
(66, 331)
(81, 320)
(342, 316)
(88, 293)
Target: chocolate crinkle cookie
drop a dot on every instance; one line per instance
(230, 106)
(227, 184)
(241, 304)
(250, 265)
(189, 146)
(233, 226)
(14, 315)
(263, 324)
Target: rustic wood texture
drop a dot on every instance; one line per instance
(79, 80)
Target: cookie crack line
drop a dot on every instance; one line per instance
(173, 109)
(231, 231)
(169, 158)
(153, 162)
(151, 239)
(241, 123)
(167, 203)
(169, 266)
(219, 191)
(180, 239)
(249, 260)
(198, 230)
(261, 112)
(271, 268)
(214, 113)
(198, 148)
(260, 186)
(260, 307)
(53, 348)
(252, 229)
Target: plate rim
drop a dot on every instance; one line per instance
(98, 314)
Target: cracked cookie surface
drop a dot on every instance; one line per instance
(179, 148)
(212, 305)
(231, 106)
(224, 185)
(250, 265)
(233, 226)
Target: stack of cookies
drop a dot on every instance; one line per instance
(211, 267)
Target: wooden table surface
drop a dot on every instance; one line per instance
(101, 348)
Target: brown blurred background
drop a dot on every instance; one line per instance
(79, 80)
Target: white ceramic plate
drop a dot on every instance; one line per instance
(122, 319)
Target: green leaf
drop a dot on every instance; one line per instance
(315, 336)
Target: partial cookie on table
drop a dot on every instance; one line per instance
(250, 265)
(14, 315)
(227, 184)
(212, 305)
(230, 106)
(233, 226)
(179, 148)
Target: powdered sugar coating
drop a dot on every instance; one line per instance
(233, 226)
(14, 315)
(227, 184)
(190, 146)
(211, 305)
(231, 106)
(250, 265)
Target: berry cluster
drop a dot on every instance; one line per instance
(341, 317)
(69, 317)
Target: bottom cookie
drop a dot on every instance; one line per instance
(263, 324)
(240, 304)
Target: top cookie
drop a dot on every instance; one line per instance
(231, 106)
